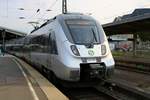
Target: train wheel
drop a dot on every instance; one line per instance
(44, 71)
(49, 75)
(52, 77)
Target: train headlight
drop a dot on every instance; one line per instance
(75, 50)
(103, 49)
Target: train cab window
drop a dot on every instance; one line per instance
(83, 31)
(52, 43)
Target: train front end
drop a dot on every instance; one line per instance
(86, 51)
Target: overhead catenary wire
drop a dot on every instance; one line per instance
(49, 9)
(39, 12)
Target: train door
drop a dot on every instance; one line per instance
(52, 50)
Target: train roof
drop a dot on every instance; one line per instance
(66, 16)
(74, 16)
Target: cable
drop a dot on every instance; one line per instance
(53, 4)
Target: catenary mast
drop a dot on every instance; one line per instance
(64, 6)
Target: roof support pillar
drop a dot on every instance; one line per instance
(134, 44)
(64, 6)
(3, 42)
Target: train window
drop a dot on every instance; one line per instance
(27, 42)
(44, 43)
(52, 43)
(39, 44)
(34, 44)
(83, 32)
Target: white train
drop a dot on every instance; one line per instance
(72, 47)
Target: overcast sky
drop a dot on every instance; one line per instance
(102, 10)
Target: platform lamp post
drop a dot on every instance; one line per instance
(3, 43)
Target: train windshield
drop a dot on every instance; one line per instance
(83, 31)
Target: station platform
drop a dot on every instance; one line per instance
(19, 81)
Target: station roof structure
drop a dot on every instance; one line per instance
(138, 21)
(10, 34)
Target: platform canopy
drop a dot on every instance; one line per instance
(137, 22)
(9, 33)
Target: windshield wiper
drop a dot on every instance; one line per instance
(91, 43)
(94, 35)
(93, 38)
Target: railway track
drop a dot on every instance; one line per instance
(121, 92)
(128, 68)
(104, 92)
(136, 65)
(86, 94)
